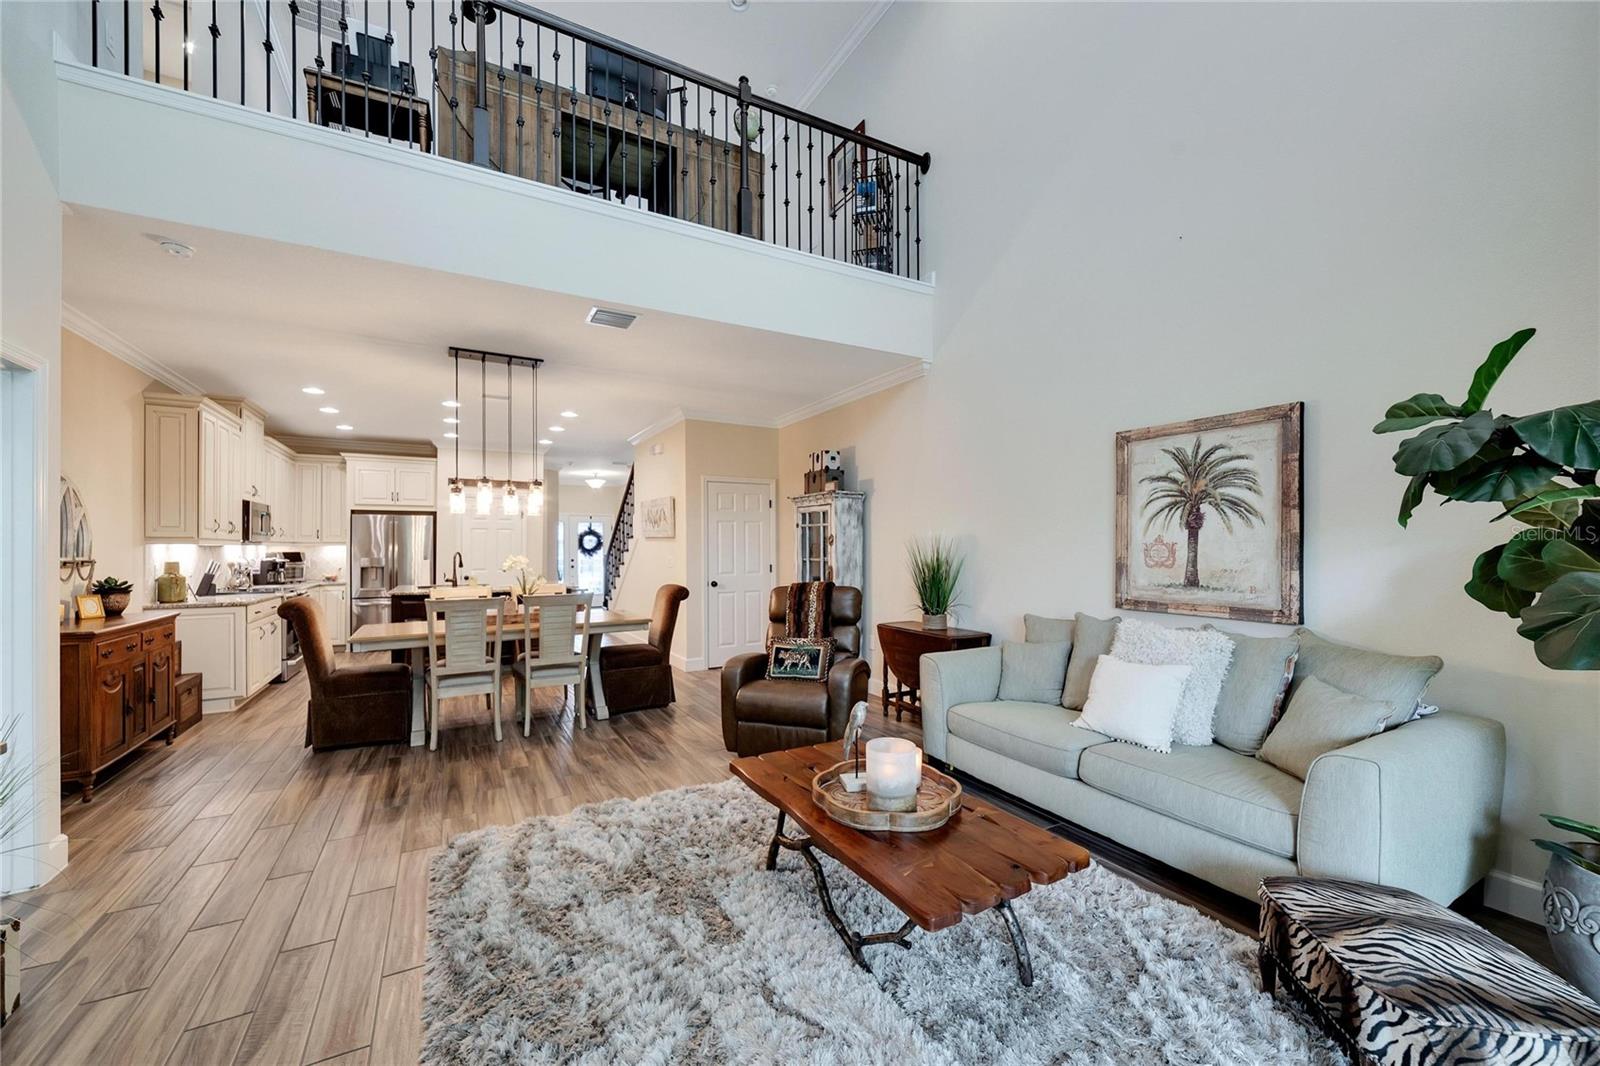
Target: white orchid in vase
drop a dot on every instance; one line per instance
(527, 580)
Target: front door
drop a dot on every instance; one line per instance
(583, 553)
(739, 526)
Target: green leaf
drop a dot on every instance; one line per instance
(1444, 447)
(1500, 357)
(1556, 848)
(1421, 409)
(1565, 557)
(1413, 496)
(1506, 478)
(1567, 435)
(1564, 624)
(1488, 589)
(1522, 563)
(1550, 497)
(1573, 826)
(1557, 514)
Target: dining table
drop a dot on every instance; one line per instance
(411, 637)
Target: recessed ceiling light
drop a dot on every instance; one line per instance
(329, 410)
(343, 427)
(450, 436)
(449, 403)
(546, 441)
(569, 414)
(738, 5)
(558, 429)
(312, 390)
(452, 421)
(176, 249)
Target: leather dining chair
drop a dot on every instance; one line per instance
(762, 714)
(350, 705)
(635, 676)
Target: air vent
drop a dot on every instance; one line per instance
(602, 316)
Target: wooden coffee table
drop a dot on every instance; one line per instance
(979, 861)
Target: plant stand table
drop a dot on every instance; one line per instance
(904, 644)
(978, 861)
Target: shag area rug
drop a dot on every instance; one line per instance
(646, 931)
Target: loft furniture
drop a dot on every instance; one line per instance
(466, 669)
(349, 705)
(605, 148)
(980, 860)
(393, 113)
(1417, 806)
(118, 679)
(556, 656)
(760, 714)
(829, 537)
(904, 644)
(1396, 979)
(412, 638)
(640, 675)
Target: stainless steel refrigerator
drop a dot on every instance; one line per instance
(387, 550)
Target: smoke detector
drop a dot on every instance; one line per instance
(176, 249)
(601, 316)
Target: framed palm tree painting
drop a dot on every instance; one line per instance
(1208, 516)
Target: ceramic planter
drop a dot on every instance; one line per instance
(1572, 917)
(115, 603)
(935, 621)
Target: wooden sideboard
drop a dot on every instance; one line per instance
(118, 690)
(904, 644)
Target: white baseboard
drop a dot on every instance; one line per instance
(688, 665)
(1516, 896)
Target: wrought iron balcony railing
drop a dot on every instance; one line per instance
(498, 84)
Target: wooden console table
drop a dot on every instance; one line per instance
(904, 644)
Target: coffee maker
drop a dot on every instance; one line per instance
(270, 571)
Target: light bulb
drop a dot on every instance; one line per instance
(508, 502)
(485, 497)
(458, 499)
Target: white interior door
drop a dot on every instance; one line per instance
(486, 540)
(739, 535)
(580, 570)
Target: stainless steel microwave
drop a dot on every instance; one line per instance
(257, 522)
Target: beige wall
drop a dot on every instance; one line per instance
(656, 562)
(102, 452)
(1239, 223)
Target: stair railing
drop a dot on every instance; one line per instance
(621, 541)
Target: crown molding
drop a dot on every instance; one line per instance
(660, 425)
(888, 380)
(337, 447)
(847, 47)
(102, 337)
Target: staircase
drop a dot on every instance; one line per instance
(621, 542)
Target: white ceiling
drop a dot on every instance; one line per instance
(261, 319)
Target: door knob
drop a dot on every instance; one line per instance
(713, 584)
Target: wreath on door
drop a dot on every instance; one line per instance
(590, 541)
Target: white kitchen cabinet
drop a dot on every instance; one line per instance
(256, 484)
(320, 515)
(384, 483)
(236, 651)
(193, 471)
(335, 524)
(281, 485)
(334, 602)
(263, 653)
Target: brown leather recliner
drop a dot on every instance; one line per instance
(350, 705)
(761, 715)
(635, 676)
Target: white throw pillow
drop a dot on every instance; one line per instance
(1207, 651)
(1135, 702)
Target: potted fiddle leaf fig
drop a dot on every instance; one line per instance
(1539, 471)
(1572, 902)
(935, 571)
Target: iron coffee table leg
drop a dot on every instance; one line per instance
(1019, 943)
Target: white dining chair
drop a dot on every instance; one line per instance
(557, 654)
(471, 662)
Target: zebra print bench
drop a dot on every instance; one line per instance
(1396, 978)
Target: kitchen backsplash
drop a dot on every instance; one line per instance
(322, 560)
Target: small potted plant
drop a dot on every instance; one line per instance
(114, 593)
(935, 572)
(1572, 902)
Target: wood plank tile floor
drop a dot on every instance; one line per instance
(237, 898)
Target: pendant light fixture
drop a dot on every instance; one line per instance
(512, 492)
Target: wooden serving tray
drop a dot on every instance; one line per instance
(938, 799)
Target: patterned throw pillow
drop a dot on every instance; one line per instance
(795, 659)
(1207, 651)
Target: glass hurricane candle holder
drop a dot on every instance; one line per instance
(894, 773)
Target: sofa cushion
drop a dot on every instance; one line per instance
(1398, 680)
(1208, 786)
(1037, 629)
(1033, 673)
(1039, 735)
(1320, 719)
(1252, 695)
(1206, 651)
(1091, 638)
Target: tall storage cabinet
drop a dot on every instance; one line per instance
(194, 471)
(829, 540)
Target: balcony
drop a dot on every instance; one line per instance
(514, 91)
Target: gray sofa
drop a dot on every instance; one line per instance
(1417, 806)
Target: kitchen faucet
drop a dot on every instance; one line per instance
(456, 561)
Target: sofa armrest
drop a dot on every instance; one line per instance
(949, 679)
(1417, 807)
(738, 672)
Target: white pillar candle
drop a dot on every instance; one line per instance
(894, 771)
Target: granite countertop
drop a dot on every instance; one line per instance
(245, 598)
(423, 590)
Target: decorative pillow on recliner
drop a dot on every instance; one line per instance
(796, 659)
